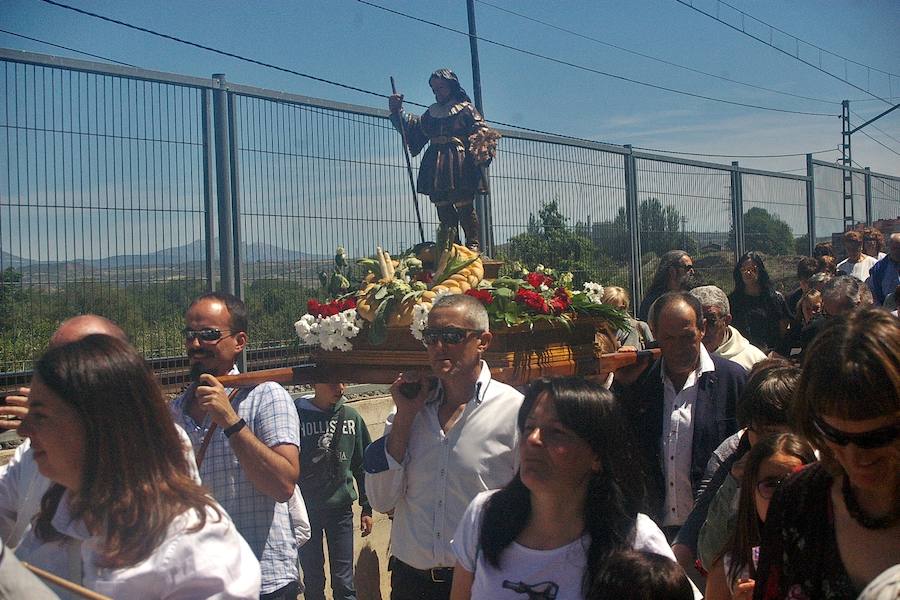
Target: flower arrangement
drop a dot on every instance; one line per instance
(400, 293)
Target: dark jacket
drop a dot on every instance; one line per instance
(713, 420)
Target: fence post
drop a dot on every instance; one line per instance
(209, 174)
(234, 166)
(223, 186)
(869, 197)
(737, 210)
(811, 203)
(634, 228)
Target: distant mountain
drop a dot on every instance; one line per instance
(185, 254)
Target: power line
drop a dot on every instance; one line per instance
(67, 48)
(654, 58)
(885, 146)
(797, 57)
(291, 71)
(861, 118)
(211, 49)
(588, 69)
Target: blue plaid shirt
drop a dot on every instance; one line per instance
(264, 523)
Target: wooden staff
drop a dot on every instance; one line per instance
(412, 182)
(65, 584)
(362, 373)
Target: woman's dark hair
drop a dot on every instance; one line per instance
(671, 259)
(823, 249)
(767, 396)
(765, 283)
(748, 525)
(613, 494)
(135, 479)
(850, 371)
(459, 94)
(632, 575)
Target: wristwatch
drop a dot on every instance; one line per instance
(230, 431)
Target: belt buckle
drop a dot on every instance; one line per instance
(432, 573)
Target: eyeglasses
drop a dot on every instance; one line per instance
(766, 487)
(208, 334)
(868, 440)
(685, 268)
(447, 335)
(711, 318)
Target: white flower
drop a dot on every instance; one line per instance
(594, 292)
(331, 333)
(419, 319)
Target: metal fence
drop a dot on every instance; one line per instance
(127, 192)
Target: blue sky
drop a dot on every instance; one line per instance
(357, 44)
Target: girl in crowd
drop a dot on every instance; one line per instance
(758, 311)
(639, 335)
(631, 575)
(770, 461)
(835, 526)
(810, 306)
(100, 430)
(573, 502)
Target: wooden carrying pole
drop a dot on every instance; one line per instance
(344, 373)
(65, 584)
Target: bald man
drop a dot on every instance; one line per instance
(21, 484)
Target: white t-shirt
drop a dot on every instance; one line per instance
(542, 572)
(859, 269)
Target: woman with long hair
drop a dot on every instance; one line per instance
(833, 527)
(769, 462)
(101, 432)
(758, 311)
(572, 504)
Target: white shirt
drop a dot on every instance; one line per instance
(737, 348)
(214, 562)
(677, 440)
(21, 489)
(859, 269)
(560, 569)
(441, 473)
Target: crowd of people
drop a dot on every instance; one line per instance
(757, 457)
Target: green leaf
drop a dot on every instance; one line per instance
(503, 292)
(378, 328)
(382, 293)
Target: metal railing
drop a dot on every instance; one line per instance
(127, 192)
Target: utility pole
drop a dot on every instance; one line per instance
(847, 162)
(473, 48)
(482, 201)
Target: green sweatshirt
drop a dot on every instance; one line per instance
(314, 424)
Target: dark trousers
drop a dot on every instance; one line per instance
(288, 592)
(408, 583)
(337, 526)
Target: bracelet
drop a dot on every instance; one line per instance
(230, 431)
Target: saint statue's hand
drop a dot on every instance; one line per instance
(395, 102)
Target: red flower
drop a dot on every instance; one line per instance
(536, 280)
(483, 296)
(532, 300)
(424, 276)
(561, 301)
(317, 309)
(312, 307)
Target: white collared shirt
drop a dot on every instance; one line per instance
(443, 472)
(677, 440)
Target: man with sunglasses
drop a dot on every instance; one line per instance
(720, 337)
(452, 436)
(249, 443)
(674, 273)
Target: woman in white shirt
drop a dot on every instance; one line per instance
(573, 502)
(122, 490)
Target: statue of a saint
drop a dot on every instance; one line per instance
(459, 144)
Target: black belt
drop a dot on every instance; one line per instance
(435, 575)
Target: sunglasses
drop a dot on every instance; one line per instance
(208, 334)
(877, 438)
(711, 319)
(447, 335)
(766, 487)
(685, 267)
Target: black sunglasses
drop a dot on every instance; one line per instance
(877, 438)
(685, 267)
(766, 487)
(208, 334)
(712, 319)
(447, 335)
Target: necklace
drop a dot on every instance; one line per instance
(860, 516)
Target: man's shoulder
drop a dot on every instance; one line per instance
(728, 368)
(269, 390)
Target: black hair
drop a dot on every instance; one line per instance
(613, 493)
(767, 396)
(765, 282)
(633, 575)
(670, 259)
(237, 310)
(459, 94)
(807, 267)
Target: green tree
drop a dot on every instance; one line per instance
(551, 242)
(661, 230)
(766, 232)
